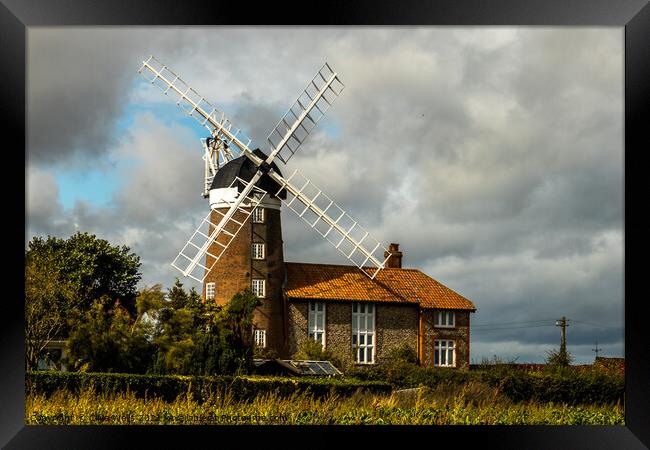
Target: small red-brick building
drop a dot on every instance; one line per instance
(336, 305)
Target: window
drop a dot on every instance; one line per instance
(257, 251)
(260, 338)
(444, 354)
(209, 291)
(445, 319)
(258, 287)
(363, 332)
(316, 322)
(258, 215)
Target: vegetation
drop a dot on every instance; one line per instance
(568, 385)
(558, 359)
(310, 350)
(157, 356)
(66, 275)
(83, 290)
(173, 333)
(424, 408)
(169, 387)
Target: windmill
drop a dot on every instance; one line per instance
(231, 207)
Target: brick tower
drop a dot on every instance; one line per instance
(254, 259)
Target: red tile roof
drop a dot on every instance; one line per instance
(407, 286)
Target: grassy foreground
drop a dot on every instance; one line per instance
(419, 407)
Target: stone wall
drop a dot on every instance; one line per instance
(394, 326)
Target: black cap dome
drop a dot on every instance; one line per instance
(245, 169)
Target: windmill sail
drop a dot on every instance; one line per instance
(199, 255)
(310, 106)
(333, 223)
(197, 107)
(210, 240)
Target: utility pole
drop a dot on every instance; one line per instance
(562, 323)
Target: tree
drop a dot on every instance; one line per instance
(49, 297)
(92, 267)
(558, 358)
(177, 296)
(62, 275)
(237, 322)
(106, 339)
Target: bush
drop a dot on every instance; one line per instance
(560, 386)
(169, 387)
(404, 354)
(309, 349)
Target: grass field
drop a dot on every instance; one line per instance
(416, 407)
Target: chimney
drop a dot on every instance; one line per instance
(395, 260)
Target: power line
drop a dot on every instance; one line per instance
(512, 328)
(510, 323)
(594, 324)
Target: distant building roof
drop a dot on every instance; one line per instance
(344, 283)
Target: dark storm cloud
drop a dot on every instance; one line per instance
(78, 83)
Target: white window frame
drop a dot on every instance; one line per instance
(365, 333)
(258, 250)
(258, 286)
(447, 346)
(259, 337)
(442, 319)
(258, 215)
(313, 330)
(210, 287)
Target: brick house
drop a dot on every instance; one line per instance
(337, 305)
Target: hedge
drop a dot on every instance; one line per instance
(169, 387)
(571, 386)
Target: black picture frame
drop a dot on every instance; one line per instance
(633, 15)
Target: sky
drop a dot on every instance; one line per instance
(492, 155)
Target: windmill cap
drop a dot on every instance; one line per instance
(245, 169)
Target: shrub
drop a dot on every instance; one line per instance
(169, 387)
(309, 349)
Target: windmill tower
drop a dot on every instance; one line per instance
(238, 244)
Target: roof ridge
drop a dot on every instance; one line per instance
(354, 267)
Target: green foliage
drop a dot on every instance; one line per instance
(49, 297)
(309, 349)
(301, 406)
(92, 266)
(197, 338)
(264, 353)
(105, 338)
(403, 354)
(172, 334)
(64, 277)
(566, 386)
(169, 387)
(569, 387)
(558, 359)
